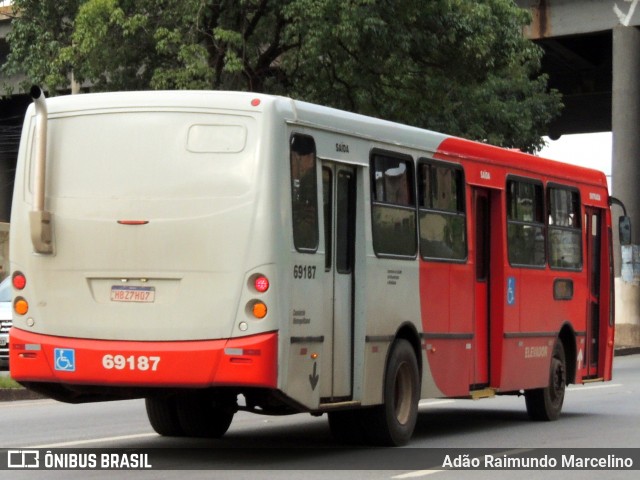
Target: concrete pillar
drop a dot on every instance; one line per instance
(626, 175)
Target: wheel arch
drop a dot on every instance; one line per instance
(408, 332)
(567, 336)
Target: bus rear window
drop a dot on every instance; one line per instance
(142, 155)
(216, 138)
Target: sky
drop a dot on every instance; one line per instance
(591, 150)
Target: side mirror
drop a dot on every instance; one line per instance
(624, 229)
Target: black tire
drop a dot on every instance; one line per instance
(163, 416)
(392, 423)
(545, 404)
(205, 417)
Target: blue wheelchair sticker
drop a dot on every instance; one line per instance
(511, 290)
(65, 359)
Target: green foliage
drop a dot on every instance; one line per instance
(7, 382)
(458, 66)
(40, 31)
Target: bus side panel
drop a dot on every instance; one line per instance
(304, 359)
(391, 302)
(532, 320)
(446, 319)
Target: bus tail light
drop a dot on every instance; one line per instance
(259, 310)
(21, 306)
(19, 281)
(261, 283)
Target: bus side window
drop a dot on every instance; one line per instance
(442, 212)
(304, 193)
(525, 223)
(565, 232)
(393, 207)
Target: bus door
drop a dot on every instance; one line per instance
(483, 230)
(339, 198)
(594, 252)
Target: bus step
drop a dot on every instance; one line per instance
(592, 380)
(484, 393)
(339, 405)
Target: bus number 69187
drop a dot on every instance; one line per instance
(304, 271)
(132, 362)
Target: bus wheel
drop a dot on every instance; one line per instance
(546, 403)
(202, 416)
(163, 416)
(392, 423)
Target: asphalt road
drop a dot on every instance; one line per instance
(300, 446)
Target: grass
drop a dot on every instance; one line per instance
(6, 382)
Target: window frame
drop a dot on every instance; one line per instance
(375, 203)
(541, 223)
(580, 229)
(315, 205)
(461, 200)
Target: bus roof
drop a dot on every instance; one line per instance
(330, 119)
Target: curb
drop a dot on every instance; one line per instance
(11, 394)
(624, 351)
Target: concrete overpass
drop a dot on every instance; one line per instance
(592, 56)
(578, 39)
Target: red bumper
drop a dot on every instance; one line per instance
(246, 361)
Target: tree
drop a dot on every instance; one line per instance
(39, 31)
(458, 66)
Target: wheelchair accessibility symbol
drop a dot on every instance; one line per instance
(511, 290)
(65, 359)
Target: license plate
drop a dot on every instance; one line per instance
(120, 293)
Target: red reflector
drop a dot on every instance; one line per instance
(133, 222)
(240, 360)
(251, 351)
(19, 280)
(261, 283)
(255, 102)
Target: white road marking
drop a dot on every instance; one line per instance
(431, 403)
(94, 440)
(582, 388)
(418, 473)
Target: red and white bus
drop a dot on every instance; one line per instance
(193, 248)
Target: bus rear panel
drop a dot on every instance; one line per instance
(154, 210)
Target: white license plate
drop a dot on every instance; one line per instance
(120, 293)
